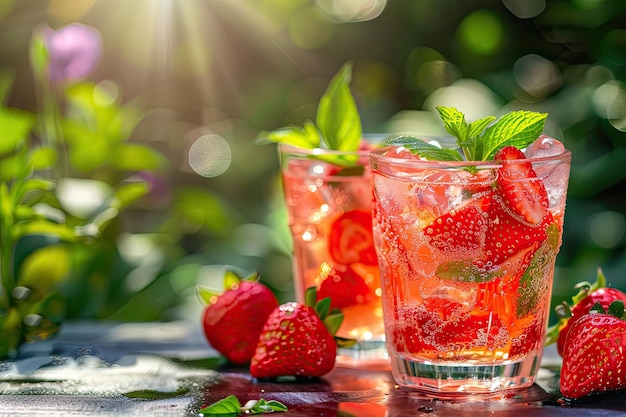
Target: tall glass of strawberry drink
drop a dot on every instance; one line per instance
(329, 199)
(467, 252)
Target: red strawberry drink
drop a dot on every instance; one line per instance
(328, 196)
(467, 253)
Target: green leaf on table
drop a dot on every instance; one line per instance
(148, 394)
(231, 407)
(261, 406)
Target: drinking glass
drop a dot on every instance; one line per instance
(329, 198)
(466, 277)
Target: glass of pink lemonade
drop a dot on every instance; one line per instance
(329, 204)
(467, 253)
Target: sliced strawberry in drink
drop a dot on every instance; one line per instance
(448, 336)
(350, 238)
(522, 191)
(507, 236)
(345, 288)
(462, 229)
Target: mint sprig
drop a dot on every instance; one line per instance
(480, 139)
(337, 123)
(231, 407)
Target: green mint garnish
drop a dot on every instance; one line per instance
(337, 124)
(480, 139)
(231, 407)
(531, 287)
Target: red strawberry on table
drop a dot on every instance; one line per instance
(587, 296)
(297, 340)
(232, 321)
(593, 355)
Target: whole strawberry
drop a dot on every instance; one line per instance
(587, 296)
(232, 321)
(593, 354)
(297, 340)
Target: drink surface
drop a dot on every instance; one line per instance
(467, 273)
(329, 209)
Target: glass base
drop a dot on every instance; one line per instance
(450, 379)
(367, 354)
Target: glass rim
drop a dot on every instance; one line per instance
(378, 155)
(285, 148)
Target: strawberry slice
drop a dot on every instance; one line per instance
(507, 236)
(462, 229)
(523, 192)
(350, 238)
(429, 332)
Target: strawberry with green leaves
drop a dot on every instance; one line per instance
(593, 353)
(298, 340)
(233, 319)
(588, 295)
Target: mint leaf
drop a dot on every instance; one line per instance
(337, 116)
(454, 122)
(337, 126)
(480, 139)
(261, 406)
(518, 128)
(425, 149)
(303, 137)
(229, 406)
(532, 285)
(464, 271)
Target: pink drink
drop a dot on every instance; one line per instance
(466, 268)
(329, 209)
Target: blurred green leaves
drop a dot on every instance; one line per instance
(64, 181)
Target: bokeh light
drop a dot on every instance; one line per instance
(210, 156)
(525, 9)
(309, 29)
(482, 32)
(537, 76)
(351, 10)
(607, 228)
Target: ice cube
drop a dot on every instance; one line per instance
(553, 173)
(544, 146)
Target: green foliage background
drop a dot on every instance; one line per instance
(236, 68)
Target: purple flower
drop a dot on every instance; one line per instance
(74, 51)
